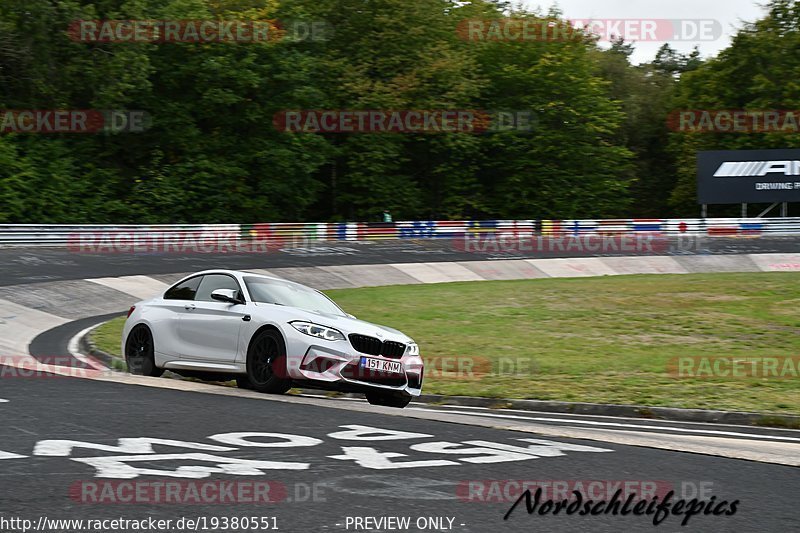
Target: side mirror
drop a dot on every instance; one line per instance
(351, 316)
(226, 295)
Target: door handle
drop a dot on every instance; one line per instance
(189, 307)
(246, 318)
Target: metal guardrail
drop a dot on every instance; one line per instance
(64, 235)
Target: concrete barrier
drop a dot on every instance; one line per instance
(371, 275)
(437, 272)
(170, 279)
(142, 287)
(572, 267)
(263, 272)
(504, 269)
(717, 263)
(644, 265)
(313, 277)
(777, 262)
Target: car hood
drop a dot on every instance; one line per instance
(345, 324)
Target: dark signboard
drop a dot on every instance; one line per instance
(748, 176)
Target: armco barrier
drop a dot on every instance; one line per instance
(58, 235)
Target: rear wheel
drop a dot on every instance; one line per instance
(140, 353)
(388, 399)
(266, 364)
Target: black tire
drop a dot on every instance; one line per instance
(140, 353)
(243, 382)
(388, 399)
(266, 363)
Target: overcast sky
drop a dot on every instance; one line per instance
(727, 15)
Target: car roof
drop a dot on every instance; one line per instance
(241, 273)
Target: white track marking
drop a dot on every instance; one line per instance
(142, 287)
(634, 426)
(72, 347)
(9, 455)
(18, 332)
(547, 413)
(263, 272)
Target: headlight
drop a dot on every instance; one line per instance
(315, 330)
(413, 349)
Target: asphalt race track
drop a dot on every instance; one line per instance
(78, 448)
(21, 265)
(328, 486)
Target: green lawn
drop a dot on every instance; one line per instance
(108, 336)
(605, 339)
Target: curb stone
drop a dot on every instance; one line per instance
(87, 346)
(597, 409)
(631, 411)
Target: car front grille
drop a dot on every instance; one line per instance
(374, 346)
(366, 344)
(393, 350)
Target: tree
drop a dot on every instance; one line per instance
(758, 71)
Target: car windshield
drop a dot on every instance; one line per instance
(279, 292)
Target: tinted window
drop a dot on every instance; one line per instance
(212, 282)
(280, 292)
(183, 291)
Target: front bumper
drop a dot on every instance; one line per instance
(336, 365)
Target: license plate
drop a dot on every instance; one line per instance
(381, 365)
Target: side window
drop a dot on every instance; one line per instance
(212, 282)
(184, 291)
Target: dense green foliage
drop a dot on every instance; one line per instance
(600, 146)
(759, 71)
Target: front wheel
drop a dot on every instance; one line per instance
(266, 364)
(388, 399)
(140, 353)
